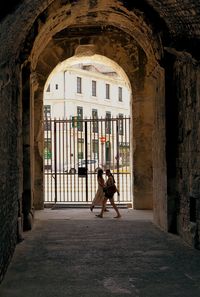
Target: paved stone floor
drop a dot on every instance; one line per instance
(72, 253)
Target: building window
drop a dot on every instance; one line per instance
(107, 91)
(120, 94)
(47, 149)
(47, 117)
(94, 88)
(47, 111)
(48, 88)
(79, 85)
(80, 118)
(121, 124)
(124, 153)
(74, 122)
(80, 148)
(108, 122)
(95, 148)
(47, 154)
(95, 127)
(56, 86)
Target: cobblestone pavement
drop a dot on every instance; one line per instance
(72, 253)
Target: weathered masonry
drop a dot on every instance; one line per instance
(158, 46)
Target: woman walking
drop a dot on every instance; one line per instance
(99, 196)
(110, 182)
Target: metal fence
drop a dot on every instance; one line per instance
(75, 149)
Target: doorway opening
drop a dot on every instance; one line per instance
(86, 127)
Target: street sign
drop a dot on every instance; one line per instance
(103, 139)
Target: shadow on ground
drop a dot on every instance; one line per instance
(71, 253)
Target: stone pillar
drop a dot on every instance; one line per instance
(143, 118)
(27, 205)
(142, 160)
(149, 156)
(36, 142)
(159, 151)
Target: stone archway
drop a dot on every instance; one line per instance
(133, 49)
(31, 47)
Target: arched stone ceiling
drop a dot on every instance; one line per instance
(69, 22)
(176, 21)
(182, 17)
(113, 44)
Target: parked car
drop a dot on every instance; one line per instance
(92, 166)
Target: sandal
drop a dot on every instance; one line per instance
(99, 216)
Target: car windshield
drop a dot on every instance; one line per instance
(83, 162)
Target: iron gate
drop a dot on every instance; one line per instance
(75, 149)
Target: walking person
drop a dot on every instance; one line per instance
(109, 183)
(99, 196)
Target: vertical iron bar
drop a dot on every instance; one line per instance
(86, 164)
(55, 160)
(98, 154)
(44, 170)
(46, 194)
(130, 186)
(113, 147)
(59, 160)
(82, 179)
(74, 157)
(117, 146)
(79, 145)
(102, 144)
(124, 148)
(92, 153)
(63, 161)
(67, 160)
(126, 157)
(48, 177)
(51, 176)
(70, 153)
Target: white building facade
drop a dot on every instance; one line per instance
(87, 92)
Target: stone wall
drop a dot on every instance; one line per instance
(33, 33)
(9, 163)
(183, 145)
(126, 40)
(36, 31)
(187, 78)
(159, 152)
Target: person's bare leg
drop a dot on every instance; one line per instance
(115, 208)
(102, 209)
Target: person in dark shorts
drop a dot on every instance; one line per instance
(110, 181)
